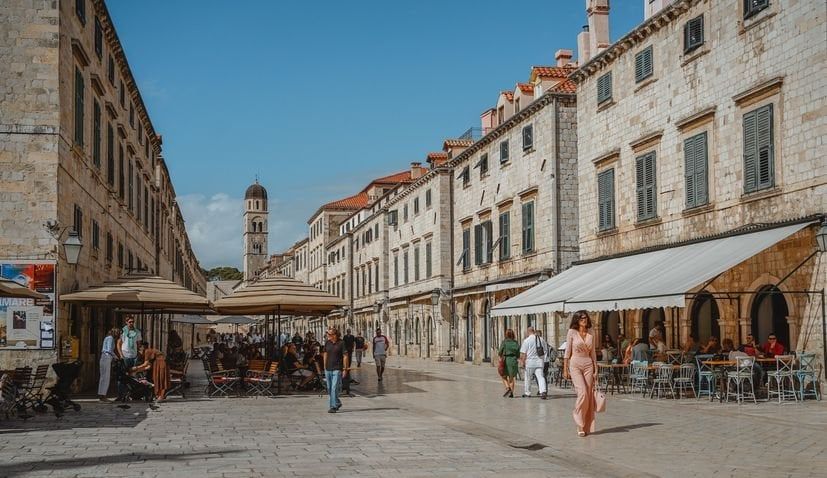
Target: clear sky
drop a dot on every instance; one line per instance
(319, 97)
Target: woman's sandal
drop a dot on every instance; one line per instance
(581, 433)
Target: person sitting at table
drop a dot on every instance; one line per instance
(658, 348)
(610, 347)
(691, 346)
(727, 346)
(773, 347)
(628, 352)
(292, 366)
(749, 347)
(622, 343)
(640, 351)
(712, 346)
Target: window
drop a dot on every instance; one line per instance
(646, 187)
(695, 161)
(606, 200)
(110, 155)
(465, 176)
(132, 115)
(528, 137)
(96, 134)
(396, 270)
(416, 263)
(141, 136)
(428, 261)
(604, 88)
(759, 170)
(96, 240)
(130, 200)
(643, 64)
(120, 255)
(79, 93)
(693, 34)
(751, 7)
(121, 172)
(111, 70)
(98, 38)
(109, 247)
(122, 95)
(416, 206)
(77, 224)
(146, 211)
(482, 243)
(80, 10)
(516, 105)
(376, 275)
(465, 258)
(405, 264)
(427, 200)
(138, 195)
(483, 165)
(376, 230)
(504, 152)
(505, 235)
(528, 227)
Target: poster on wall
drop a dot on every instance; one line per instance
(23, 320)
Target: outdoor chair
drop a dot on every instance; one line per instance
(663, 380)
(222, 382)
(8, 395)
(685, 379)
(674, 357)
(260, 382)
(604, 377)
(178, 380)
(738, 377)
(22, 379)
(806, 372)
(706, 377)
(640, 376)
(783, 377)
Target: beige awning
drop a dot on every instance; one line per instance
(282, 295)
(149, 293)
(10, 288)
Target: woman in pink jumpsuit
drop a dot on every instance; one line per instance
(581, 366)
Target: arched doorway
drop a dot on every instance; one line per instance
(487, 333)
(610, 324)
(396, 338)
(469, 332)
(769, 315)
(430, 337)
(407, 332)
(704, 318)
(650, 318)
(417, 336)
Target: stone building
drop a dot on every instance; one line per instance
(255, 230)
(78, 151)
(698, 144)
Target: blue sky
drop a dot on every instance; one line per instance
(318, 98)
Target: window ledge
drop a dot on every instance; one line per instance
(527, 151)
(607, 232)
(644, 83)
(484, 266)
(649, 222)
(504, 164)
(693, 55)
(757, 19)
(528, 254)
(761, 194)
(605, 105)
(697, 210)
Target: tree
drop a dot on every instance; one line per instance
(224, 273)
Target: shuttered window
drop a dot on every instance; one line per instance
(646, 186)
(396, 270)
(483, 164)
(606, 199)
(428, 263)
(643, 64)
(604, 87)
(695, 170)
(96, 134)
(110, 155)
(478, 244)
(504, 151)
(79, 101)
(405, 264)
(528, 227)
(80, 11)
(751, 7)
(693, 34)
(505, 235)
(427, 202)
(528, 137)
(416, 263)
(759, 170)
(98, 38)
(465, 259)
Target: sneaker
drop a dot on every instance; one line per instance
(332, 410)
(543, 396)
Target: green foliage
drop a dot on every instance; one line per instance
(224, 273)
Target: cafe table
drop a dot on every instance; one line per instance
(615, 376)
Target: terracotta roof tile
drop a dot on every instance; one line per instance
(353, 202)
(565, 86)
(438, 155)
(394, 178)
(526, 88)
(509, 95)
(551, 71)
(449, 143)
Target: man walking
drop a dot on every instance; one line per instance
(349, 341)
(532, 352)
(381, 344)
(359, 348)
(336, 365)
(128, 346)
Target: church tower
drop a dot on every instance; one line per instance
(255, 230)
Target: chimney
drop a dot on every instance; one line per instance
(583, 41)
(598, 13)
(563, 57)
(651, 7)
(416, 170)
(488, 119)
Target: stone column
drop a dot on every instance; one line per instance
(667, 325)
(746, 328)
(794, 324)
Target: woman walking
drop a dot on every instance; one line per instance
(154, 363)
(108, 354)
(581, 365)
(509, 352)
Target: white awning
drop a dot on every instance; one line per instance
(641, 281)
(510, 285)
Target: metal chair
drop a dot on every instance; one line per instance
(222, 382)
(640, 376)
(685, 379)
(674, 357)
(260, 382)
(32, 392)
(784, 379)
(603, 378)
(806, 372)
(738, 377)
(663, 380)
(706, 377)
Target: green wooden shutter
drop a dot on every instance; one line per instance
(643, 64)
(701, 176)
(610, 198)
(505, 236)
(646, 186)
(750, 152)
(79, 94)
(528, 227)
(604, 87)
(651, 186)
(689, 171)
(640, 186)
(764, 167)
(477, 244)
(489, 240)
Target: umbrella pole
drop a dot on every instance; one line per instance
(192, 340)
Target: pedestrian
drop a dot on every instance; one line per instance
(108, 354)
(581, 366)
(532, 352)
(510, 353)
(155, 363)
(359, 348)
(350, 343)
(128, 348)
(336, 365)
(546, 356)
(381, 344)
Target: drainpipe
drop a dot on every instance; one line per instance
(558, 227)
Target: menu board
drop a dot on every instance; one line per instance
(28, 323)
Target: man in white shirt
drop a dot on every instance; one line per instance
(381, 344)
(532, 353)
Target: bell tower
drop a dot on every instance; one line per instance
(255, 230)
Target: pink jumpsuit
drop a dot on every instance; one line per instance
(582, 358)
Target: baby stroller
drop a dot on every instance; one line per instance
(137, 388)
(58, 398)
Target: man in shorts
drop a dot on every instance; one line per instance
(381, 344)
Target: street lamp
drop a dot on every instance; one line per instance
(72, 247)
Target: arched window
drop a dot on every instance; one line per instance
(704, 318)
(769, 315)
(611, 324)
(416, 331)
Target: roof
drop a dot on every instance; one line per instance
(526, 88)
(393, 178)
(437, 155)
(357, 201)
(451, 143)
(565, 86)
(256, 191)
(509, 95)
(551, 72)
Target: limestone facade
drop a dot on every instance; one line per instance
(717, 78)
(79, 150)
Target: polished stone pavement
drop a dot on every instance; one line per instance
(424, 419)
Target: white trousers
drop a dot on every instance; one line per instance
(541, 380)
(106, 374)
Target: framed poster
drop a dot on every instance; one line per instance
(23, 320)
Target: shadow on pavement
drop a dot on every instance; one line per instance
(394, 381)
(377, 409)
(91, 416)
(625, 428)
(9, 470)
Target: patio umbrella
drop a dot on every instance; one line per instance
(235, 320)
(141, 291)
(278, 295)
(10, 288)
(192, 320)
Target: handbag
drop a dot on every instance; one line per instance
(501, 367)
(539, 347)
(599, 401)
